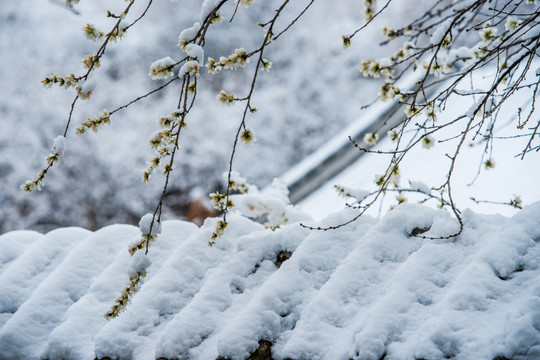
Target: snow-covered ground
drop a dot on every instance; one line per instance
(364, 291)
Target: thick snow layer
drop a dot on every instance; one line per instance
(363, 291)
(33, 266)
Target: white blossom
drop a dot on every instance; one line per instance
(512, 23)
(428, 142)
(371, 138)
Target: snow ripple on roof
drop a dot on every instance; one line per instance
(364, 291)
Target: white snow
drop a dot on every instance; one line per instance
(272, 202)
(196, 52)
(189, 67)
(138, 264)
(207, 7)
(419, 186)
(59, 145)
(189, 34)
(439, 34)
(462, 4)
(86, 89)
(14, 244)
(146, 222)
(160, 69)
(361, 291)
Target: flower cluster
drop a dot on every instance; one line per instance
(371, 138)
(66, 81)
(220, 202)
(346, 41)
(219, 230)
(237, 59)
(376, 68)
(217, 18)
(164, 141)
(31, 185)
(70, 3)
(93, 33)
(150, 228)
(369, 12)
(430, 112)
(190, 67)
(135, 282)
(489, 164)
(188, 35)
(488, 34)
(401, 198)
(225, 98)
(411, 110)
(341, 191)
(516, 202)
(237, 182)
(512, 23)
(119, 31)
(392, 174)
(162, 68)
(170, 120)
(244, 3)
(103, 118)
(247, 136)
(266, 65)
(403, 52)
(428, 142)
(393, 135)
(389, 91)
(57, 149)
(91, 62)
(86, 89)
(389, 32)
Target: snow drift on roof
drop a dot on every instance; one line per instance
(364, 291)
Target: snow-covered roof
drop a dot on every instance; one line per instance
(364, 291)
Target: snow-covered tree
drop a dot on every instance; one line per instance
(444, 50)
(431, 60)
